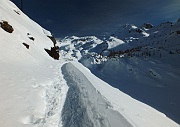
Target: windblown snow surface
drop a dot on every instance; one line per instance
(37, 91)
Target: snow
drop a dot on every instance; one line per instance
(114, 42)
(138, 75)
(46, 32)
(84, 105)
(137, 113)
(25, 73)
(37, 91)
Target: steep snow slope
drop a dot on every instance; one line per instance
(24, 28)
(26, 74)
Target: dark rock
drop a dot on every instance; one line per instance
(26, 45)
(52, 39)
(170, 52)
(7, 27)
(17, 12)
(147, 25)
(54, 52)
(178, 31)
(30, 37)
(139, 30)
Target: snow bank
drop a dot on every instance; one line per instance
(84, 105)
(137, 113)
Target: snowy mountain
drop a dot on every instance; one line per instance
(38, 90)
(141, 61)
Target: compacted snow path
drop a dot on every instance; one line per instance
(55, 94)
(84, 105)
(37, 91)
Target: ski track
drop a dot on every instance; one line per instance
(84, 105)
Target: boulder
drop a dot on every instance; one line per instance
(7, 27)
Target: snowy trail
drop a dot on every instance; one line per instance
(37, 91)
(55, 94)
(84, 105)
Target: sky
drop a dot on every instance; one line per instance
(97, 17)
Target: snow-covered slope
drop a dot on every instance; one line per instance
(103, 103)
(141, 61)
(37, 91)
(26, 71)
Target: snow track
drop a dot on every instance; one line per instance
(53, 94)
(84, 105)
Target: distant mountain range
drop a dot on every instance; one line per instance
(140, 61)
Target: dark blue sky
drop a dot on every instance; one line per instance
(97, 17)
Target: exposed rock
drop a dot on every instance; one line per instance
(52, 39)
(26, 45)
(170, 52)
(54, 52)
(147, 25)
(7, 27)
(139, 30)
(30, 37)
(18, 12)
(178, 31)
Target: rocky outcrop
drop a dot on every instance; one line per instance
(6, 26)
(54, 52)
(178, 31)
(147, 25)
(52, 39)
(30, 37)
(26, 45)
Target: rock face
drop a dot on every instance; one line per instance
(147, 25)
(54, 52)
(52, 39)
(30, 37)
(5, 26)
(26, 45)
(178, 31)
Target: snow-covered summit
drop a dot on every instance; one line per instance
(129, 30)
